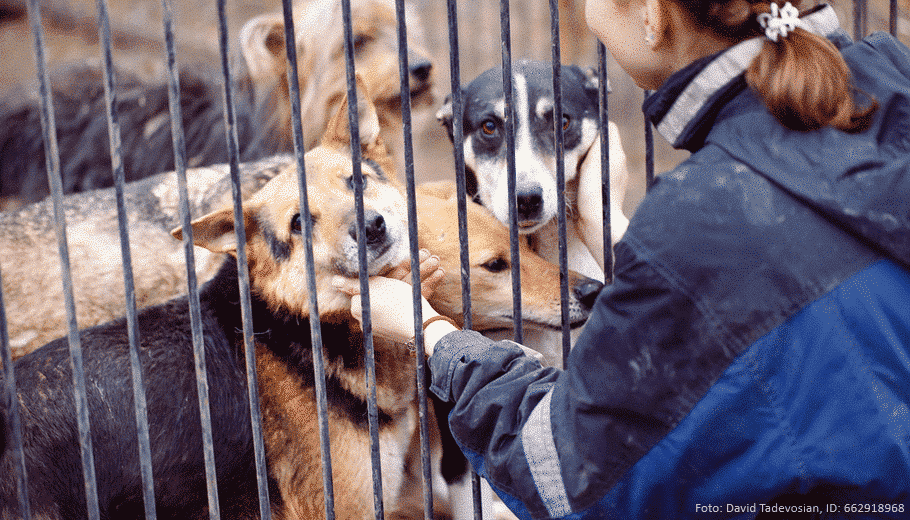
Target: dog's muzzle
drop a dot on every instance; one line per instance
(529, 206)
(376, 232)
(586, 291)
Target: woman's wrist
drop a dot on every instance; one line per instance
(433, 332)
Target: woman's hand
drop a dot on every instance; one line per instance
(391, 298)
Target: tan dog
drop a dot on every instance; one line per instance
(262, 103)
(321, 67)
(280, 305)
(491, 272)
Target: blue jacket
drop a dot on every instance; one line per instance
(753, 353)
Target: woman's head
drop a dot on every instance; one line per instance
(801, 77)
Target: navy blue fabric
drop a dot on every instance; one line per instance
(762, 432)
(753, 346)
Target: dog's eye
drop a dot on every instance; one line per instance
(297, 223)
(489, 127)
(350, 181)
(495, 265)
(360, 40)
(566, 120)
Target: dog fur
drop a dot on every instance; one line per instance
(29, 257)
(486, 162)
(283, 357)
(30, 260)
(490, 268)
(261, 95)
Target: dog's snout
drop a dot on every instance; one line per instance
(375, 227)
(529, 203)
(586, 291)
(420, 68)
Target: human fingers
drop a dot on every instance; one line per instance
(403, 270)
(349, 286)
(430, 282)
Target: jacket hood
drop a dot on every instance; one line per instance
(859, 181)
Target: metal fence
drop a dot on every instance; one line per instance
(860, 19)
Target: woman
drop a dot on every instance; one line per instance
(751, 356)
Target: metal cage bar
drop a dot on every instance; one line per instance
(52, 159)
(13, 420)
(462, 196)
(420, 361)
(603, 86)
(290, 39)
(506, 41)
(242, 263)
(179, 144)
(369, 354)
(116, 150)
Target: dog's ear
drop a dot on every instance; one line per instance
(214, 232)
(592, 79)
(337, 134)
(263, 45)
(444, 115)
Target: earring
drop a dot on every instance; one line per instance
(649, 38)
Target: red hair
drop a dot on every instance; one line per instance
(802, 78)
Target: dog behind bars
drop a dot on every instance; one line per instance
(280, 307)
(486, 163)
(263, 105)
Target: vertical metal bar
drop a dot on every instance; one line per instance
(649, 153)
(243, 274)
(369, 355)
(559, 145)
(603, 96)
(290, 39)
(860, 19)
(179, 142)
(52, 162)
(129, 290)
(505, 32)
(892, 17)
(458, 151)
(116, 152)
(13, 421)
(420, 360)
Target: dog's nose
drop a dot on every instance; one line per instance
(420, 68)
(586, 291)
(375, 227)
(530, 203)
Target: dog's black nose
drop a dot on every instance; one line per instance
(375, 227)
(586, 291)
(529, 203)
(420, 68)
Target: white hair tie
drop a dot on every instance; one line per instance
(780, 21)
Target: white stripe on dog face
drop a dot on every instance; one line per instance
(531, 169)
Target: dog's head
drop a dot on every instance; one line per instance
(274, 225)
(485, 148)
(321, 59)
(491, 269)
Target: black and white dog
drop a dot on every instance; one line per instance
(485, 153)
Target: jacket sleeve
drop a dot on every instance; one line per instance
(495, 388)
(574, 433)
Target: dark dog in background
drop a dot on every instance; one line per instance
(486, 164)
(261, 95)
